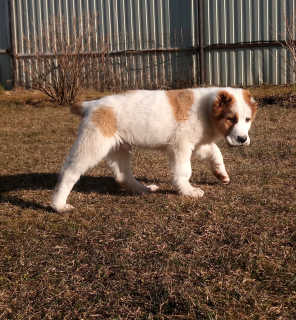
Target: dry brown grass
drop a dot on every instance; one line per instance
(228, 255)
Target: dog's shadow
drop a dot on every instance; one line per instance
(47, 181)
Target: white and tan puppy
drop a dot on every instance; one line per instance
(179, 122)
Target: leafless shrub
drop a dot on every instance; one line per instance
(288, 42)
(66, 59)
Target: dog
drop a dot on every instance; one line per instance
(179, 122)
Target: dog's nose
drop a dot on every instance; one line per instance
(242, 139)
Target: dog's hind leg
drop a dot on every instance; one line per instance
(212, 154)
(119, 162)
(89, 149)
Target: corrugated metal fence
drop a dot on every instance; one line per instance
(249, 30)
(161, 43)
(5, 46)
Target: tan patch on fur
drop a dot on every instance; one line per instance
(77, 108)
(222, 112)
(181, 102)
(252, 104)
(105, 120)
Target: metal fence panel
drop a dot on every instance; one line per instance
(237, 22)
(160, 38)
(5, 57)
(148, 31)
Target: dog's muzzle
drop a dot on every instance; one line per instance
(238, 140)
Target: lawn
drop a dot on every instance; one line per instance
(228, 255)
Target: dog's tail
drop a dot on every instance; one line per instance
(77, 109)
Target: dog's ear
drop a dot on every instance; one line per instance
(223, 99)
(251, 102)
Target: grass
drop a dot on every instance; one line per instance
(228, 255)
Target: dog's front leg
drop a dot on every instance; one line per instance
(180, 167)
(212, 154)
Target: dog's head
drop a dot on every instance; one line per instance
(232, 115)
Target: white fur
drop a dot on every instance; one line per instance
(145, 119)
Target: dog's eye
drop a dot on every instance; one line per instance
(231, 119)
(248, 119)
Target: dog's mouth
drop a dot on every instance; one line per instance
(237, 141)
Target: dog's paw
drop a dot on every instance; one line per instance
(66, 207)
(153, 187)
(221, 176)
(220, 173)
(192, 192)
